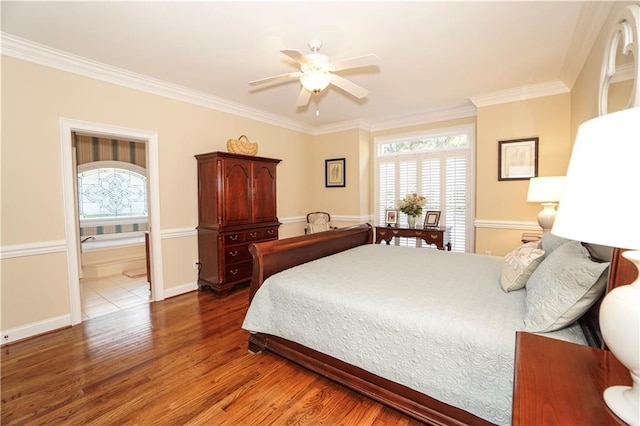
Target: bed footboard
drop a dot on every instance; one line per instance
(271, 257)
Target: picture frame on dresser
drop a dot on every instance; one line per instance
(432, 219)
(391, 217)
(517, 159)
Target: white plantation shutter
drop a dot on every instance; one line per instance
(431, 184)
(442, 174)
(456, 201)
(386, 190)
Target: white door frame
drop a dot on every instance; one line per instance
(67, 126)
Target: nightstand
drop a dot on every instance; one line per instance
(528, 237)
(561, 383)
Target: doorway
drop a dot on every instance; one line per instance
(112, 222)
(72, 234)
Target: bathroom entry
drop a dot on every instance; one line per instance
(112, 223)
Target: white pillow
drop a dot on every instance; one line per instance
(519, 265)
(563, 288)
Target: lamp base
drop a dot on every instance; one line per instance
(547, 216)
(620, 326)
(623, 401)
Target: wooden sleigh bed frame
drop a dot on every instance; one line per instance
(274, 256)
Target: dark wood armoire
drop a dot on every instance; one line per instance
(236, 207)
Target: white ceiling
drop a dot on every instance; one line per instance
(434, 56)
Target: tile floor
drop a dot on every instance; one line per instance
(102, 296)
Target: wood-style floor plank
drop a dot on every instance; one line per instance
(176, 362)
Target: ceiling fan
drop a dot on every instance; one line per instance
(316, 73)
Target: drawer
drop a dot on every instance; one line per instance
(238, 271)
(234, 238)
(234, 254)
(270, 234)
(261, 234)
(434, 238)
(254, 235)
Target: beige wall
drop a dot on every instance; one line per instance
(32, 203)
(547, 118)
(351, 203)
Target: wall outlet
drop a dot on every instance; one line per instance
(487, 252)
(196, 264)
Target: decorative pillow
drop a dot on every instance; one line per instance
(519, 264)
(550, 242)
(562, 288)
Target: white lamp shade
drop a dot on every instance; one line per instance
(600, 203)
(545, 189)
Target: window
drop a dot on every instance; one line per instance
(437, 164)
(112, 194)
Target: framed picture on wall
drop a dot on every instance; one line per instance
(518, 159)
(334, 173)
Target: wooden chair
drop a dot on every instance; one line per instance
(318, 222)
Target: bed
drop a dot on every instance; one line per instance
(427, 332)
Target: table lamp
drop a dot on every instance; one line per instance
(600, 205)
(546, 190)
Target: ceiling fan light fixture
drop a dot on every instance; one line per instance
(315, 80)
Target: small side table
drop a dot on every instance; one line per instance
(528, 237)
(438, 236)
(561, 383)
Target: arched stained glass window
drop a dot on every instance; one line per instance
(111, 190)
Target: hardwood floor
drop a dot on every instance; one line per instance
(176, 362)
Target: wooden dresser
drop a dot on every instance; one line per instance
(438, 236)
(236, 207)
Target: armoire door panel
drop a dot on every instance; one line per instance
(264, 187)
(237, 197)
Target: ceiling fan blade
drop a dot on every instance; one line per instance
(275, 77)
(349, 87)
(303, 98)
(296, 56)
(355, 62)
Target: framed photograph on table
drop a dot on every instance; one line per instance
(518, 159)
(334, 173)
(431, 219)
(391, 217)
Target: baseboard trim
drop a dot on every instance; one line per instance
(35, 328)
(181, 289)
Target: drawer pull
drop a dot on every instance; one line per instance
(395, 232)
(233, 271)
(233, 237)
(434, 236)
(253, 234)
(233, 253)
(270, 232)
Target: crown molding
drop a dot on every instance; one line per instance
(425, 118)
(590, 22)
(520, 93)
(44, 55)
(407, 121)
(342, 126)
